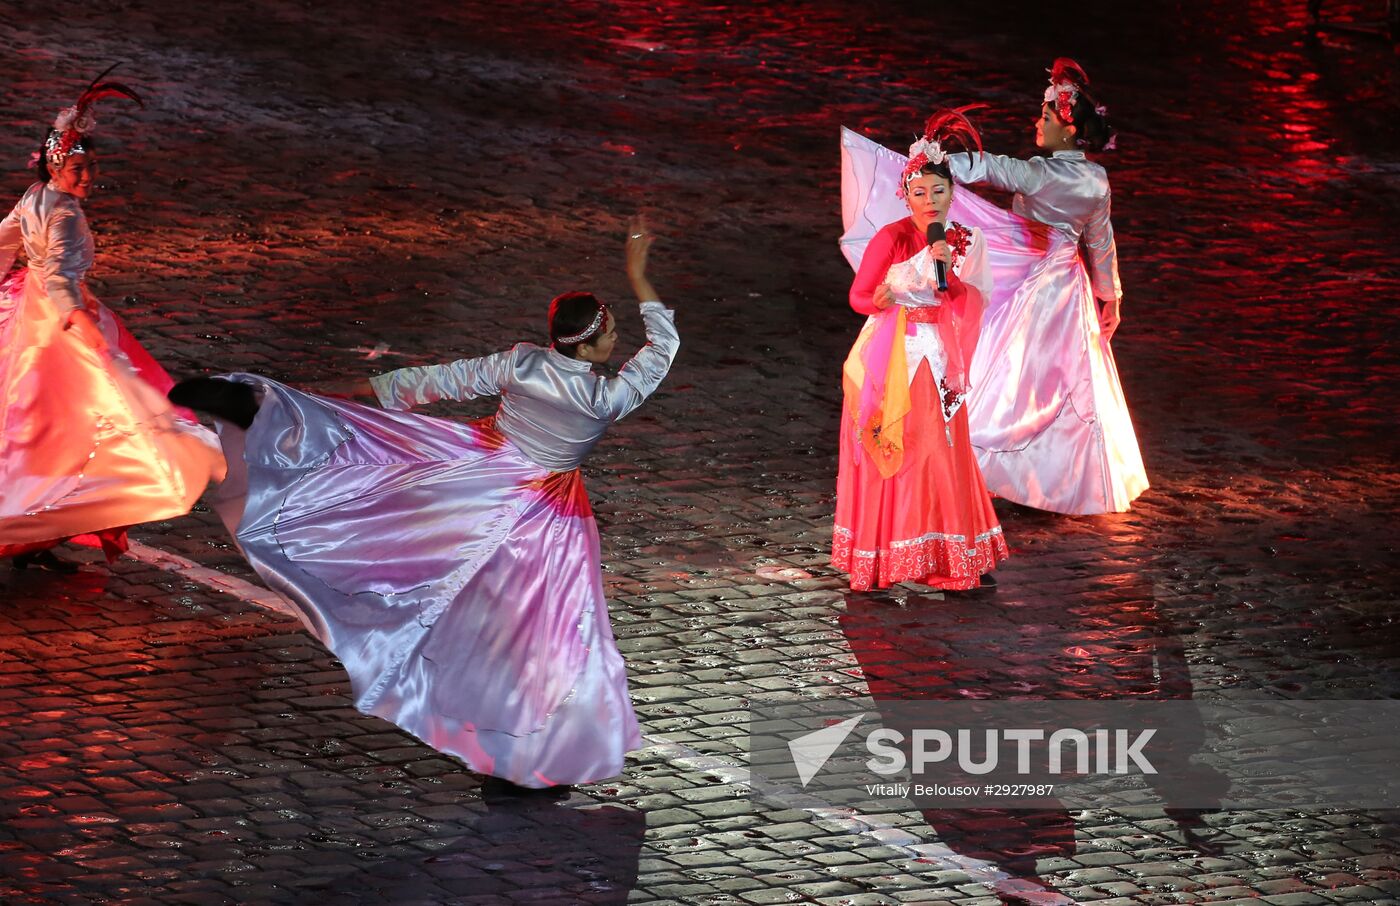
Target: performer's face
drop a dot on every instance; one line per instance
(76, 176)
(1051, 132)
(600, 350)
(929, 196)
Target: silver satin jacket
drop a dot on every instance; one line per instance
(1067, 191)
(54, 231)
(554, 408)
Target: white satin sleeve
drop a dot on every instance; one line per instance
(64, 261)
(644, 372)
(1009, 174)
(463, 379)
(10, 240)
(1101, 253)
(972, 269)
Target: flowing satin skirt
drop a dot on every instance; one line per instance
(88, 443)
(1049, 421)
(932, 522)
(458, 582)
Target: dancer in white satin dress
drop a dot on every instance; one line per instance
(454, 569)
(1049, 421)
(1046, 410)
(88, 442)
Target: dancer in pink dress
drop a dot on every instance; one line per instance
(88, 442)
(454, 569)
(910, 501)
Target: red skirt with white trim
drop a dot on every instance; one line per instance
(932, 522)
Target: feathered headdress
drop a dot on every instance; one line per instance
(69, 127)
(946, 132)
(1067, 79)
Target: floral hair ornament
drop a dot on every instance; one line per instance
(946, 132)
(71, 125)
(593, 328)
(1067, 79)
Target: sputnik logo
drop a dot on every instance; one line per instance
(812, 751)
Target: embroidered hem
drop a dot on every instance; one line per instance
(935, 559)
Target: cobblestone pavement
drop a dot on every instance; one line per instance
(312, 180)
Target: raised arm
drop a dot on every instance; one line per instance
(1009, 174)
(463, 379)
(643, 373)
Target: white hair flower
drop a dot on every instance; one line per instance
(931, 150)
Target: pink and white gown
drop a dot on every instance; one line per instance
(910, 501)
(88, 442)
(1049, 421)
(454, 569)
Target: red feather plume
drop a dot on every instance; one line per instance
(98, 89)
(952, 129)
(63, 144)
(1066, 70)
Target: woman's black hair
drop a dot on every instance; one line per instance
(940, 169)
(1092, 130)
(570, 314)
(41, 168)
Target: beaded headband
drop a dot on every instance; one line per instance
(593, 328)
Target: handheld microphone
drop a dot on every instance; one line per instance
(936, 233)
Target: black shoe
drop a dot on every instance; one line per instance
(45, 560)
(496, 790)
(985, 582)
(228, 400)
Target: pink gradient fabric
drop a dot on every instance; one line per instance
(88, 442)
(457, 581)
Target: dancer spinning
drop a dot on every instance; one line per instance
(455, 569)
(1049, 419)
(910, 501)
(88, 442)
